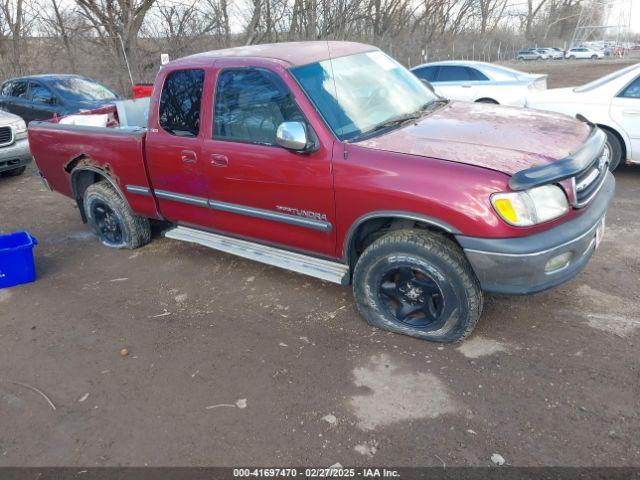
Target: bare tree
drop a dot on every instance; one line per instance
(117, 24)
(16, 20)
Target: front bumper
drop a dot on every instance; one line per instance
(516, 266)
(15, 155)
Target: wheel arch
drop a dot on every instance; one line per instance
(82, 175)
(487, 100)
(623, 141)
(366, 228)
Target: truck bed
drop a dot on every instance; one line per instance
(115, 152)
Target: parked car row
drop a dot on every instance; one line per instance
(558, 54)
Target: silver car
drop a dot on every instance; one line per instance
(14, 146)
(530, 54)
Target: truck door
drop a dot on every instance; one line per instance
(173, 148)
(258, 189)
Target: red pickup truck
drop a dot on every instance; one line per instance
(332, 160)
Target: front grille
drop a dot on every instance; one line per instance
(588, 182)
(6, 136)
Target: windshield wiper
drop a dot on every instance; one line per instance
(392, 122)
(401, 119)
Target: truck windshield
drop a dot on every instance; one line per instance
(364, 94)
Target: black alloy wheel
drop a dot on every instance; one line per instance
(107, 222)
(412, 297)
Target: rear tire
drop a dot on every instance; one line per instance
(594, 57)
(615, 150)
(112, 219)
(420, 284)
(15, 172)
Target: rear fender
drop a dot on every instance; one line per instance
(83, 174)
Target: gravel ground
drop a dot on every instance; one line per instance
(235, 363)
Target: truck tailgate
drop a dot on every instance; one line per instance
(120, 153)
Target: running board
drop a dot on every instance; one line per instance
(315, 267)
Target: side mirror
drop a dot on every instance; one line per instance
(292, 136)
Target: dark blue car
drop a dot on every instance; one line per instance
(38, 97)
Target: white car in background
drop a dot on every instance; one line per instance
(480, 82)
(584, 52)
(611, 102)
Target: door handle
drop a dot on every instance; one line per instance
(219, 160)
(466, 86)
(631, 113)
(188, 156)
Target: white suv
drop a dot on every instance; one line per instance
(584, 52)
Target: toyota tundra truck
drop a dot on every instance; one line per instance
(332, 160)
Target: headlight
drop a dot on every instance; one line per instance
(532, 206)
(19, 126)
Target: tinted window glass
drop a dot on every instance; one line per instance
(251, 104)
(633, 90)
(426, 73)
(19, 89)
(477, 74)
(180, 102)
(78, 89)
(453, 74)
(39, 93)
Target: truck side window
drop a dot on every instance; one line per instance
(250, 103)
(179, 112)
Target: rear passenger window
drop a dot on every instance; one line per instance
(477, 75)
(453, 74)
(250, 104)
(426, 73)
(180, 103)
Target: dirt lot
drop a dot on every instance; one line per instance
(235, 363)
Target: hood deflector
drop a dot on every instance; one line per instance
(564, 168)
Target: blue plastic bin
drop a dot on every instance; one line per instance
(16, 259)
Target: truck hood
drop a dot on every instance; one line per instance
(500, 138)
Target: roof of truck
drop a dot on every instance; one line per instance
(293, 53)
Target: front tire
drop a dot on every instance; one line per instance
(420, 284)
(112, 219)
(615, 150)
